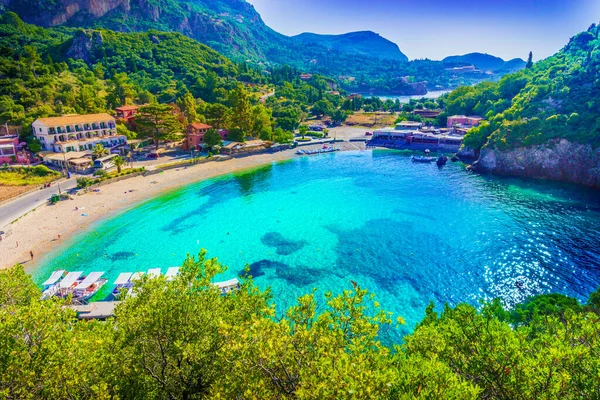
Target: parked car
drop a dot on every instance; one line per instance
(152, 156)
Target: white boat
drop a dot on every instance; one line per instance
(122, 283)
(154, 272)
(89, 286)
(228, 286)
(51, 286)
(172, 273)
(66, 285)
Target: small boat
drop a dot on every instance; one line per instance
(420, 159)
(89, 286)
(299, 152)
(66, 285)
(441, 161)
(172, 273)
(228, 286)
(122, 283)
(51, 286)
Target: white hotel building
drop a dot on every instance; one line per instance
(77, 133)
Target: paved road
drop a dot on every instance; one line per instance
(17, 208)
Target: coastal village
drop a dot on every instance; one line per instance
(219, 200)
(68, 142)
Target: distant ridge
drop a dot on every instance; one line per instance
(366, 43)
(486, 62)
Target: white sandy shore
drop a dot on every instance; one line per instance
(39, 230)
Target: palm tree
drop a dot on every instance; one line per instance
(118, 160)
(99, 151)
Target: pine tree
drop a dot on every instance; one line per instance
(530, 60)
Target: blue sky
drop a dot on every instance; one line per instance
(438, 28)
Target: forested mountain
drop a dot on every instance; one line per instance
(365, 43)
(542, 121)
(486, 62)
(232, 27)
(236, 30)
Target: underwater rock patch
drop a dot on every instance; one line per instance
(283, 246)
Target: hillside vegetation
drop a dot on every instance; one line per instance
(46, 72)
(184, 340)
(363, 43)
(236, 30)
(486, 62)
(557, 98)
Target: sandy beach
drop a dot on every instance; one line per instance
(39, 230)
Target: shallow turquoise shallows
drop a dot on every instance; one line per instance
(411, 233)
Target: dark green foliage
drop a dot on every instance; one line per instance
(556, 98)
(212, 138)
(183, 339)
(236, 135)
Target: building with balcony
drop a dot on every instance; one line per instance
(77, 132)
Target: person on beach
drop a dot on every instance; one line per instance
(31, 254)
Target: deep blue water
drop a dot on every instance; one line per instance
(411, 233)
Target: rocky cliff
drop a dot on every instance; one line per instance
(559, 160)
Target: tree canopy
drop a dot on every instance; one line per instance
(183, 339)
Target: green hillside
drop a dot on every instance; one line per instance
(46, 72)
(236, 30)
(557, 98)
(361, 43)
(486, 62)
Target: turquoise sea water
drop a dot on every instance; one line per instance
(411, 233)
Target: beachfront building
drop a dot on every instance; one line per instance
(11, 151)
(408, 126)
(250, 146)
(195, 135)
(77, 133)
(462, 121)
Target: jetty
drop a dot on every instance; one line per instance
(100, 310)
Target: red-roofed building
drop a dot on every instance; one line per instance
(127, 113)
(10, 150)
(195, 135)
(462, 121)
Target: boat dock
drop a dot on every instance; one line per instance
(99, 310)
